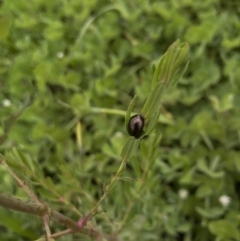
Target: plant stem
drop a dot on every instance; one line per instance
(36, 209)
(93, 211)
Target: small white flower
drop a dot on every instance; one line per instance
(225, 200)
(60, 55)
(6, 103)
(183, 193)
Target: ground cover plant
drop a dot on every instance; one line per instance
(69, 71)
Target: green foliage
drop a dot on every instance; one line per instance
(224, 229)
(69, 62)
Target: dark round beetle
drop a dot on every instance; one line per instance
(135, 126)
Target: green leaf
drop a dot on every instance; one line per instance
(202, 166)
(210, 213)
(224, 229)
(168, 62)
(48, 195)
(11, 120)
(204, 191)
(22, 158)
(129, 179)
(157, 72)
(50, 184)
(79, 102)
(178, 77)
(5, 23)
(181, 54)
(129, 111)
(16, 224)
(129, 148)
(12, 161)
(201, 33)
(153, 102)
(188, 177)
(153, 122)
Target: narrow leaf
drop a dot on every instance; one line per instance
(129, 111)
(153, 122)
(129, 148)
(178, 77)
(182, 53)
(152, 104)
(169, 62)
(157, 72)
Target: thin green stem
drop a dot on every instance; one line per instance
(93, 211)
(108, 111)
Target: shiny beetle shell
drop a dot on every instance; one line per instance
(135, 126)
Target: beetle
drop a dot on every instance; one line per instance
(135, 126)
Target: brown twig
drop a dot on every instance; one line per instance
(41, 210)
(45, 216)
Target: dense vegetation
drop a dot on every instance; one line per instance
(69, 70)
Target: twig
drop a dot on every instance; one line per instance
(46, 220)
(62, 233)
(45, 216)
(20, 182)
(39, 210)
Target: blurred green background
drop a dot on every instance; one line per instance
(73, 66)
